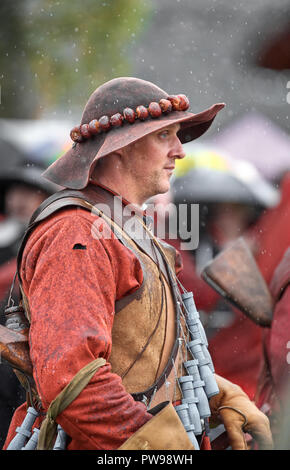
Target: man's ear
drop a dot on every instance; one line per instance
(104, 163)
(124, 154)
(119, 153)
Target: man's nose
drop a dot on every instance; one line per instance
(177, 151)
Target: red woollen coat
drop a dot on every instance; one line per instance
(72, 281)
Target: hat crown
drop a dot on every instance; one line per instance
(120, 93)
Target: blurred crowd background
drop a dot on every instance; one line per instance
(53, 54)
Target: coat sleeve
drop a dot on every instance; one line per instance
(72, 280)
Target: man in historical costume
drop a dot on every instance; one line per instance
(95, 288)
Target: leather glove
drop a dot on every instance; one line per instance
(239, 414)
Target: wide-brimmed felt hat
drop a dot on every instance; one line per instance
(110, 103)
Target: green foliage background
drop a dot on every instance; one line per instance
(53, 54)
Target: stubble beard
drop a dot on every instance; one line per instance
(155, 184)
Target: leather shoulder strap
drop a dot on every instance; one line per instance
(90, 198)
(46, 211)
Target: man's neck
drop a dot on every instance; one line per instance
(117, 192)
(122, 189)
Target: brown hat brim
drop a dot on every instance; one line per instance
(74, 168)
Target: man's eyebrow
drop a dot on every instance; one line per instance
(175, 127)
(171, 127)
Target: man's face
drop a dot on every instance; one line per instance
(22, 200)
(151, 160)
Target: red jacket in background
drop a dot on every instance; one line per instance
(275, 377)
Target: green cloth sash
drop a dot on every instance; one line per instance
(64, 398)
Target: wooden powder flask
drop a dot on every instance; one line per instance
(14, 345)
(14, 348)
(16, 319)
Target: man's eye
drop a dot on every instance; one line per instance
(164, 134)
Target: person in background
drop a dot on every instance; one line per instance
(232, 197)
(270, 235)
